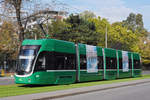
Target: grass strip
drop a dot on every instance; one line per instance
(14, 90)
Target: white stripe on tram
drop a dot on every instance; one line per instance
(60, 70)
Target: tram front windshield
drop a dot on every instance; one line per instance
(26, 59)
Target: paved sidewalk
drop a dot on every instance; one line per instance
(75, 91)
(3, 78)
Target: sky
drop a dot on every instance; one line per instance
(113, 10)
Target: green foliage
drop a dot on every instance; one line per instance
(134, 22)
(77, 30)
(8, 44)
(100, 28)
(139, 21)
(144, 46)
(8, 39)
(122, 38)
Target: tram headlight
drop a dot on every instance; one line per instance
(37, 76)
(20, 79)
(29, 80)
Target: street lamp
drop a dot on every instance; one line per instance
(106, 37)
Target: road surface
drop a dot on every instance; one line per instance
(136, 92)
(6, 80)
(145, 72)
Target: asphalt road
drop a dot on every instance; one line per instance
(136, 92)
(6, 80)
(145, 72)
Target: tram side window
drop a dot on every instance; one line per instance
(41, 62)
(71, 62)
(107, 62)
(111, 63)
(100, 62)
(120, 63)
(114, 63)
(137, 64)
(64, 61)
(55, 61)
(60, 62)
(130, 64)
(83, 62)
(50, 61)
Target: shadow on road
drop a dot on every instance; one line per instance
(34, 86)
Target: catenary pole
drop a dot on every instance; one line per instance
(106, 37)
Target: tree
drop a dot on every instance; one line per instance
(122, 38)
(8, 43)
(100, 28)
(144, 46)
(24, 11)
(139, 21)
(130, 22)
(76, 30)
(8, 38)
(57, 27)
(16, 6)
(134, 22)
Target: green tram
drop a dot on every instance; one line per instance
(50, 61)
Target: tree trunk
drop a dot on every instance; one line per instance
(17, 6)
